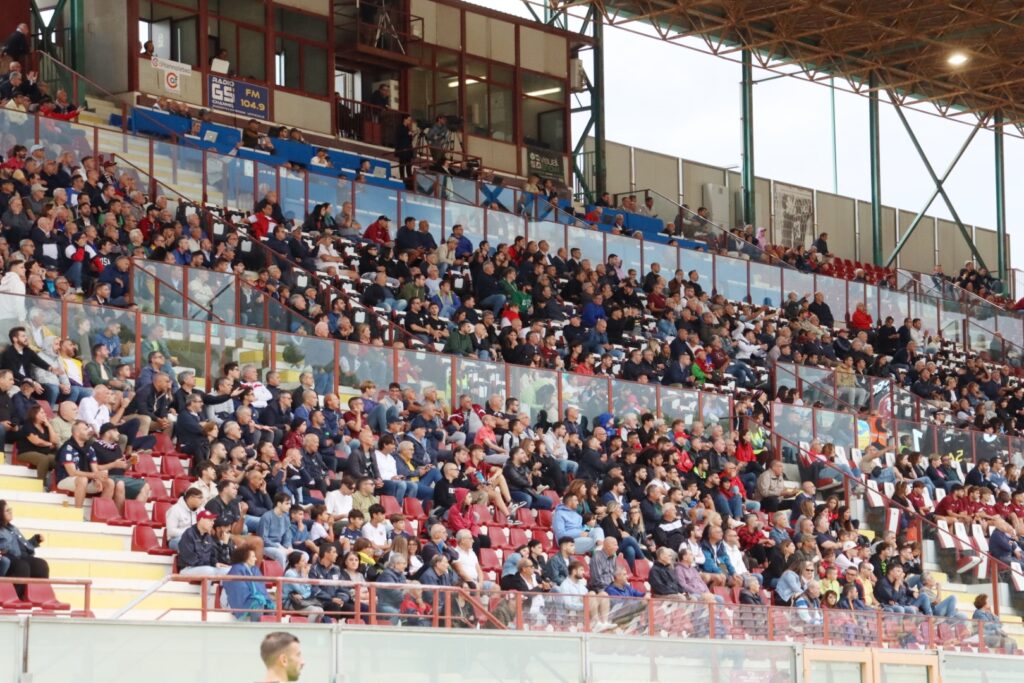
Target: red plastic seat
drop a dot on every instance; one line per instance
(41, 596)
(413, 508)
(145, 467)
(179, 486)
(170, 467)
(526, 518)
(135, 512)
(518, 537)
(163, 443)
(9, 597)
(641, 569)
(483, 514)
(391, 506)
(160, 513)
(543, 519)
(498, 540)
(553, 495)
(144, 541)
(271, 569)
(105, 512)
(489, 561)
(158, 491)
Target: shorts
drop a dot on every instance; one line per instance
(132, 486)
(67, 484)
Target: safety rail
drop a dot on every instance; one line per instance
(377, 26)
(360, 120)
(677, 617)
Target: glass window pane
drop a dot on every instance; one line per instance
(314, 66)
(731, 278)
(422, 371)
(296, 355)
(715, 409)
(251, 48)
(632, 398)
(423, 209)
(628, 249)
(358, 363)
(480, 379)
(373, 201)
(552, 233)
(184, 340)
(302, 25)
(536, 390)
(589, 242)
(503, 228)
(679, 404)
(588, 394)
(470, 217)
(702, 262)
(904, 673)
(765, 285)
(835, 672)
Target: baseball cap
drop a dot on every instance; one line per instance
(206, 514)
(38, 188)
(849, 545)
(36, 148)
(107, 426)
(382, 217)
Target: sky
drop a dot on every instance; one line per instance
(680, 101)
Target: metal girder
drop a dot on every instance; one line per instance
(747, 114)
(939, 189)
(875, 169)
(1000, 164)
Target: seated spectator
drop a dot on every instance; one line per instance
(196, 555)
(78, 471)
(248, 600)
(182, 515)
(275, 529)
(17, 554)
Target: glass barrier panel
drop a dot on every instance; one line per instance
(128, 146)
(702, 262)
(183, 343)
(211, 295)
(979, 339)
(731, 278)
(855, 295)
(818, 385)
(834, 290)
(588, 394)
(480, 379)
(905, 404)
(628, 249)
(471, 218)
(358, 363)
(113, 327)
(892, 303)
(242, 345)
(927, 310)
(422, 371)
(880, 390)
(234, 179)
(679, 404)
(65, 136)
(292, 195)
(870, 298)
(284, 317)
(664, 256)
(372, 201)
(715, 409)
(1011, 329)
(766, 285)
(589, 242)
(914, 436)
(426, 209)
(296, 355)
(801, 283)
(988, 446)
(497, 198)
(536, 390)
(955, 442)
(951, 321)
(793, 423)
(633, 398)
(267, 180)
(838, 428)
(550, 232)
(464, 190)
(1017, 451)
(327, 190)
(503, 228)
(186, 171)
(40, 316)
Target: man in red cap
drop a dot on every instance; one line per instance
(196, 554)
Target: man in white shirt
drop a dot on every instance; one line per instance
(95, 410)
(260, 393)
(557, 447)
(387, 467)
(182, 515)
(467, 566)
(339, 501)
(574, 590)
(376, 531)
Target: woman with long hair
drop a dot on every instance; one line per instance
(17, 554)
(37, 443)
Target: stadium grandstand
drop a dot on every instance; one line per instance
(301, 331)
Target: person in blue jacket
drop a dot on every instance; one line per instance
(248, 600)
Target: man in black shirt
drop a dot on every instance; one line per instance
(19, 358)
(77, 469)
(196, 550)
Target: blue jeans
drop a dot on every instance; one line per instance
(836, 470)
(78, 393)
(5, 565)
(631, 549)
(400, 489)
(568, 466)
(743, 374)
(495, 302)
(532, 500)
(74, 274)
(945, 608)
(379, 417)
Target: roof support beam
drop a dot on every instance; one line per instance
(1000, 200)
(747, 114)
(939, 189)
(875, 150)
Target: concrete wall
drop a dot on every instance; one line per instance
(191, 85)
(303, 112)
(986, 242)
(919, 251)
(888, 231)
(657, 172)
(106, 42)
(837, 216)
(495, 154)
(694, 177)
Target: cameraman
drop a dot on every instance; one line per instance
(437, 139)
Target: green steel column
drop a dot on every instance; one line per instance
(876, 172)
(1000, 200)
(597, 107)
(77, 23)
(747, 114)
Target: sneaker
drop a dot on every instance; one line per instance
(542, 488)
(514, 507)
(514, 522)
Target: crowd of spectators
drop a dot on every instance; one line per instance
(375, 487)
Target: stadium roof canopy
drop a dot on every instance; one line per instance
(961, 56)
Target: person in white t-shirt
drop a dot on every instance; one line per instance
(376, 530)
(260, 393)
(339, 501)
(467, 566)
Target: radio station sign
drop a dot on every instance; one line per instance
(238, 97)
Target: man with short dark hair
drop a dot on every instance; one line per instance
(276, 530)
(282, 655)
(19, 358)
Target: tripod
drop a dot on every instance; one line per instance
(386, 29)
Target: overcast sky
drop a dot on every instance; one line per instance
(674, 100)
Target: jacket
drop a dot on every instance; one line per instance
(566, 523)
(195, 549)
(716, 559)
(663, 580)
(14, 544)
(178, 519)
